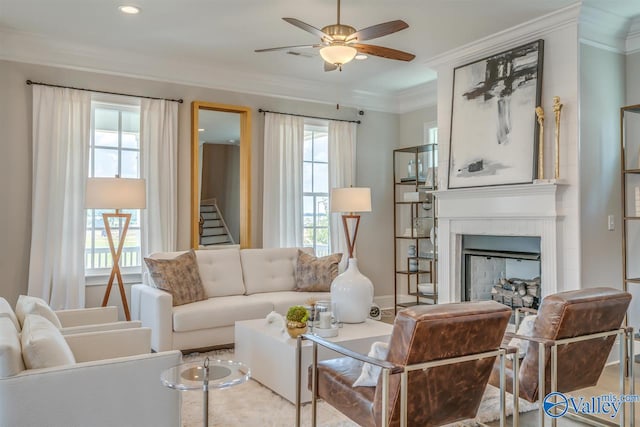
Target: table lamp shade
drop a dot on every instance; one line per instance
(350, 199)
(116, 193)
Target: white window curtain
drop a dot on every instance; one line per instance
(282, 196)
(61, 132)
(342, 173)
(159, 163)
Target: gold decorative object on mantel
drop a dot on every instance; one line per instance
(540, 117)
(557, 108)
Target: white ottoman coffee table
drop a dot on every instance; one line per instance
(272, 353)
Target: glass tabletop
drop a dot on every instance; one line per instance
(191, 376)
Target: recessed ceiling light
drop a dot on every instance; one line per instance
(130, 10)
(361, 56)
(201, 130)
(232, 141)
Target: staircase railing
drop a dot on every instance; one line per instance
(214, 203)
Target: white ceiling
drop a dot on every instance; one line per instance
(224, 34)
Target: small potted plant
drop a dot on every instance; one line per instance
(297, 317)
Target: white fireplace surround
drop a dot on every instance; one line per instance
(514, 210)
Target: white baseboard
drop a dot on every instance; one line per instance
(384, 301)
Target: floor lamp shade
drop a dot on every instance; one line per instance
(116, 193)
(350, 199)
(351, 291)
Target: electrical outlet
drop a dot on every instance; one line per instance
(610, 223)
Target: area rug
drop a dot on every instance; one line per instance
(252, 404)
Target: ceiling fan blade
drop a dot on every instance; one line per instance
(384, 52)
(309, 28)
(379, 30)
(304, 46)
(330, 67)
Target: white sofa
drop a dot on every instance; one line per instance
(114, 382)
(240, 284)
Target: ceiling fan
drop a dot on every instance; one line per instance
(340, 43)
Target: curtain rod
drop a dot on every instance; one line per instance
(29, 82)
(309, 117)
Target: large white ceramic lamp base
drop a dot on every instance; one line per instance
(352, 294)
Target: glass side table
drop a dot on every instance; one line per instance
(205, 375)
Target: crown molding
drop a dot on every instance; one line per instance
(416, 97)
(633, 37)
(514, 36)
(603, 29)
(36, 49)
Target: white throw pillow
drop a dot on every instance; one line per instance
(526, 330)
(34, 305)
(10, 352)
(43, 345)
(370, 373)
(6, 310)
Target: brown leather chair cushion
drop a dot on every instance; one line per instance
(425, 333)
(566, 315)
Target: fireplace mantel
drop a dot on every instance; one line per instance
(514, 210)
(506, 201)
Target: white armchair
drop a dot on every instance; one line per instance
(73, 321)
(92, 319)
(115, 382)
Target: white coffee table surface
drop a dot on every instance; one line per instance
(271, 353)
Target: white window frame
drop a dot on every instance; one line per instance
(311, 125)
(96, 276)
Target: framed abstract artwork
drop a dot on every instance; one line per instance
(493, 120)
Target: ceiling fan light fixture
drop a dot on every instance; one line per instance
(338, 54)
(129, 9)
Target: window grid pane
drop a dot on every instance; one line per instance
(315, 187)
(114, 150)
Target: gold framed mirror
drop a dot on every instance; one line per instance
(220, 175)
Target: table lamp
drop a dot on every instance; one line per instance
(351, 291)
(116, 193)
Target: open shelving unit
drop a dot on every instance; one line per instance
(630, 166)
(415, 222)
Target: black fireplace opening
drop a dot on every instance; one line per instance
(502, 268)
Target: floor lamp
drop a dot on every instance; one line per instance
(351, 291)
(116, 193)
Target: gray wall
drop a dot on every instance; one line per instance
(377, 136)
(412, 126)
(602, 93)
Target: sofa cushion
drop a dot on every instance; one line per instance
(218, 312)
(220, 272)
(316, 274)
(178, 276)
(269, 270)
(43, 345)
(10, 350)
(281, 301)
(7, 311)
(33, 305)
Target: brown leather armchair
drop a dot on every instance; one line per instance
(440, 358)
(572, 338)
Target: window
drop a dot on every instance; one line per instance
(315, 173)
(430, 133)
(114, 150)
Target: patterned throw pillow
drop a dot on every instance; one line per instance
(316, 274)
(178, 276)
